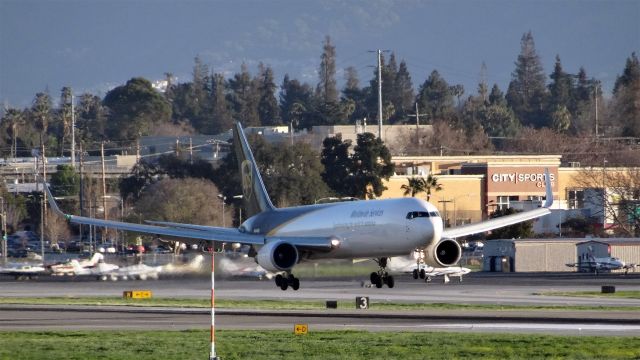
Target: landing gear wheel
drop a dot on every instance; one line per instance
(390, 282)
(284, 285)
(423, 274)
(279, 279)
(296, 284)
(415, 273)
(374, 277)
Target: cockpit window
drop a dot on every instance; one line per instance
(417, 214)
(434, 214)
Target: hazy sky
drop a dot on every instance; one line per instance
(94, 45)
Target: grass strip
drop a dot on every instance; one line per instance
(279, 344)
(630, 294)
(293, 304)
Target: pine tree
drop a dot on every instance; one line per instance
(243, 98)
(435, 98)
(327, 90)
(405, 95)
(268, 109)
(526, 94)
(626, 93)
(221, 116)
(295, 99)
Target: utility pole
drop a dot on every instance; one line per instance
(379, 94)
(81, 190)
(379, 52)
(104, 190)
(73, 133)
(446, 218)
(595, 91)
(416, 115)
(44, 179)
(4, 232)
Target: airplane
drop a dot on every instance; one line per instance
(280, 238)
(67, 268)
(594, 264)
(23, 271)
(102, 270)
(236, 269)
(407, 264)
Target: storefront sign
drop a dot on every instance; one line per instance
(531, 178)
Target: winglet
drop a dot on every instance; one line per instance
(549, 192)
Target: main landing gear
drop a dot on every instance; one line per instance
(381, 277)
(283, 282)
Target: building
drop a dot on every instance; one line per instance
(473, 187)
(529, 255)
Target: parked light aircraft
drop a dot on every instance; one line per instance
(413, 265)
(68, 268)
(280, 238)
(237, 269)
(594, 264)
(23, 271)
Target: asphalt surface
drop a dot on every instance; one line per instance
(478, 288)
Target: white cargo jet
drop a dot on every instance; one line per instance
(281, 238)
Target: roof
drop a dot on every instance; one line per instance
(614, 241)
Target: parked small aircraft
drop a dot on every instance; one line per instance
(68, 268)
(23, 271)
(237, 269)
(594, 264)
(412, 265)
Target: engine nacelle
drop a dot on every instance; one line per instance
(445, 253)
(277, 256)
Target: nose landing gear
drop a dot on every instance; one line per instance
(283, 282)
(381, 277)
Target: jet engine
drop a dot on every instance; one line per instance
(277, 256)
(445, 253)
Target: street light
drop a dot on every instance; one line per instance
(240, 207)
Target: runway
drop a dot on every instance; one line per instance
(39, 318)
(507, 289)
(477, 288)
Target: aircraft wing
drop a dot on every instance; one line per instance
(503, 221)
(196, 232)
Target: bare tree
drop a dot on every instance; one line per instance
(57, 229)
(187, 200)
(620, 200)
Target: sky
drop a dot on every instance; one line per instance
(95, 45)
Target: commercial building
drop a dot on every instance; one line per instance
(473, 187)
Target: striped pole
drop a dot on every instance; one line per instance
(212, 354)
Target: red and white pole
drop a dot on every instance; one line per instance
(212, 354)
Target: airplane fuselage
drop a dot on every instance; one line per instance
(367, 229)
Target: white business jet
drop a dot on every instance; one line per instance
(280, 238)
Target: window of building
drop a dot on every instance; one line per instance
(575, 198)
(504, 202)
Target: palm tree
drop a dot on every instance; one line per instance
(419, 184)
(415, 186)
(14, 118)
(432, 183)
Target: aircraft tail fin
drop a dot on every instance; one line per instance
(255, 196)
